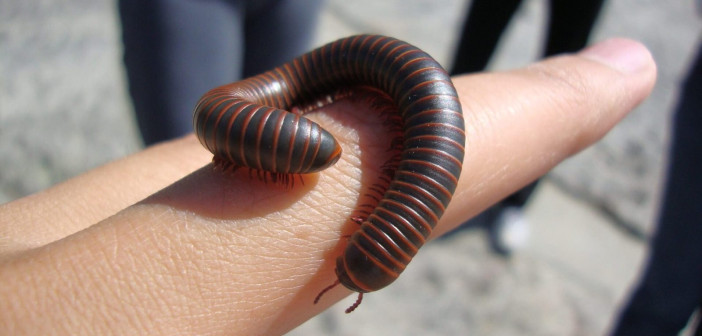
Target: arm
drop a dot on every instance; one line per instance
(202, 251)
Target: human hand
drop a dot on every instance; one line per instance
(154, 244)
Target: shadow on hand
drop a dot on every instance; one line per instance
(233, 195)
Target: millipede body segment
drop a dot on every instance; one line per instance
(246, 124)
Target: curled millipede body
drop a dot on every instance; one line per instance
(245, 124)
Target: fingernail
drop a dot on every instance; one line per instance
(625, 55)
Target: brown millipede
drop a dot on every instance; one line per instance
(245, 124)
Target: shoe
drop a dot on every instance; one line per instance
(510, 231)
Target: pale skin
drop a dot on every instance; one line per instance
(161, 243)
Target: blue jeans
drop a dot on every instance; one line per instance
(176, 50)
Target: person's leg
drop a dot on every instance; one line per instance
(520, 197)
(278, 31)
(174, 51)
(671, 287)
(570, 24)
(485, 22)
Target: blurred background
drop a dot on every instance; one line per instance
(65, 108)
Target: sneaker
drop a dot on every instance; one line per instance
(509, 231)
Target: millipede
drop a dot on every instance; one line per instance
(248, 124)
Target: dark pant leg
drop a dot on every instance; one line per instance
(671, 287)
(484, 25)
(570, 24)
(519, 198)
(277, 31)
(174, 51)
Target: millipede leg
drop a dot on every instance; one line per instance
(355, 304)
(223, 165)
(319, 296)
(357, 219)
